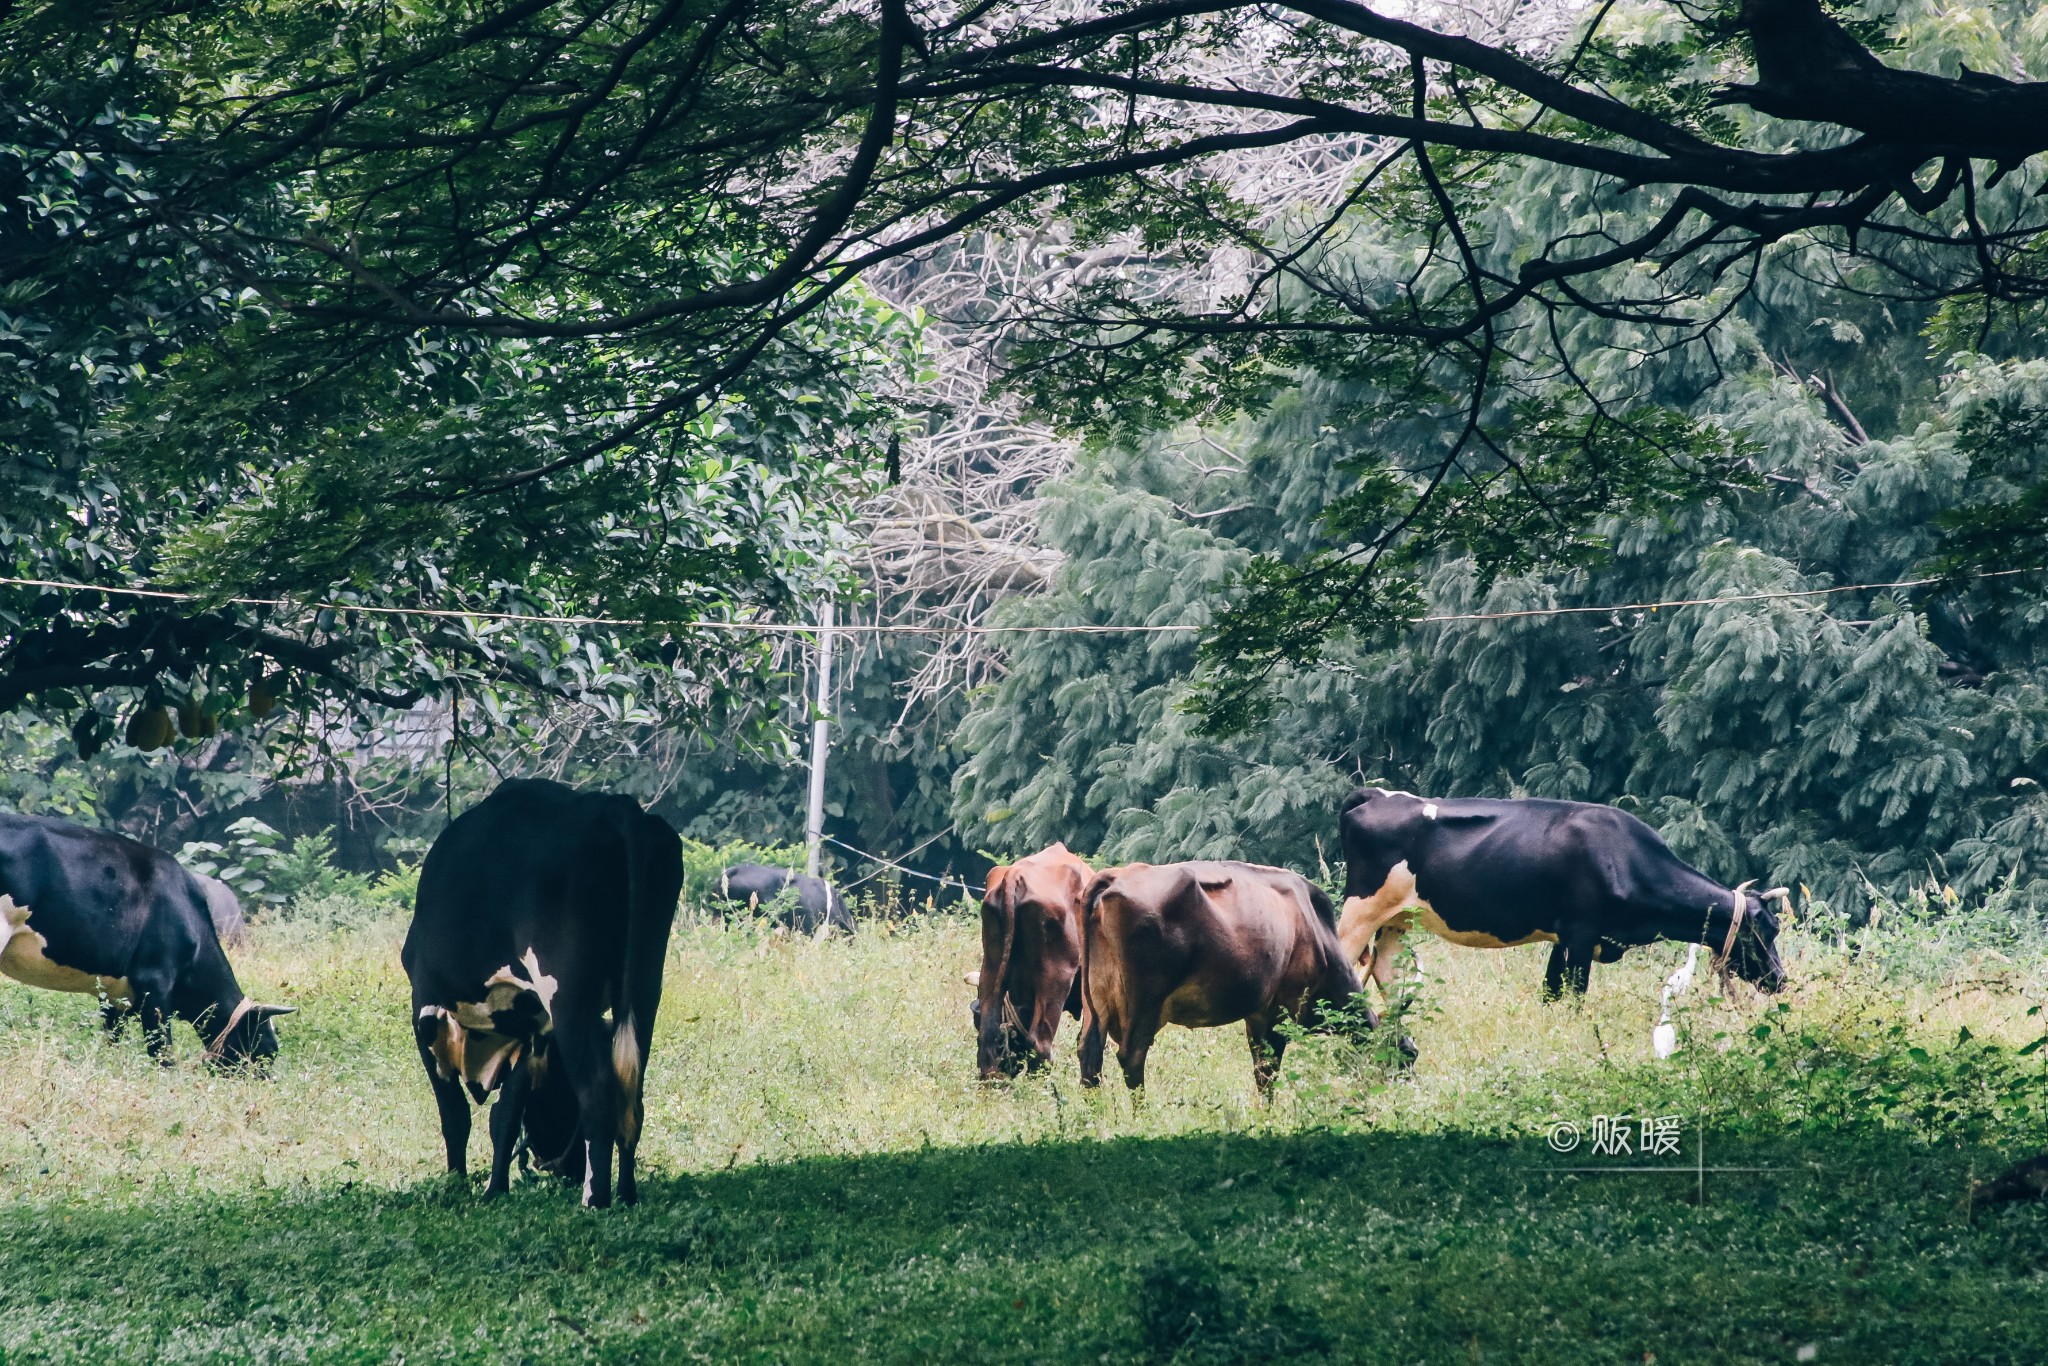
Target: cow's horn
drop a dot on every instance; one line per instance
(1745, 886)
(1774, 894)
(264, 1012)
(972, 979)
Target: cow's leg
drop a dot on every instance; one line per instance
(1131, 1050)
(508, 1112)
(156, 1025)
(1090, 1052)
(585, 1050)
(1095, 1028)
(1570, 970)
(629, 1187)
(114, 1018)
(447, 1084)
(1044, 1029)
(628, 1064)
(1268, 1046)
(1385, 945)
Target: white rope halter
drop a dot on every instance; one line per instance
(1734, 927)
(235, 1017)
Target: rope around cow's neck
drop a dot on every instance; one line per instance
(235, 1017)
(1734, 927)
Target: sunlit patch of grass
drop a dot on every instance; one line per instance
(828, 1178)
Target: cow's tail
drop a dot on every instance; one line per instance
(637, 995)
(998, 940)
(1090, 1052)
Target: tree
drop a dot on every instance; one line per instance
(1842, 742)
(706, 180)
(316, 487)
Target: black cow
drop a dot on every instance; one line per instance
(535, 955)
(797, 902)
(1487, 873)
(93, 912)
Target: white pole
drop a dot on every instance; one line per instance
(814, 826)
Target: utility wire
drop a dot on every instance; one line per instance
(908, 872)
(888, 628)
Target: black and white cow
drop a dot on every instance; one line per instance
(797, 901)
(1488, 873)
(96, 913)
(535, 955)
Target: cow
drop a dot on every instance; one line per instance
(1030, 959)
(798, 902)
(1492, 873)
(224, 909)
(1205, 944)
(97, 913)
(535, 955)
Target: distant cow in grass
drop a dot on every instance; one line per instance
(224, 909)
(1205, 944)
(99, 914)
(1485, 873)
(536, 960)
(796, 901)
(1030, 959)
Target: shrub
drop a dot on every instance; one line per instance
(266, 871)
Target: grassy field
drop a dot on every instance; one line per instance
(828, 1181)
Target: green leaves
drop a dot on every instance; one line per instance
(1527, 497)
(225, 377)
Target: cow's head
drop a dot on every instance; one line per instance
(551, 1117)
(1752, 954)
(248, 1036)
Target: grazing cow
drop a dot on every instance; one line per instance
(1485, 873)
(798, 902)
(1203, 944)
(93, 912)
(2026, 1180)
(1030, 959)
(535, 956)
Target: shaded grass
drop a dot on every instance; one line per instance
(827, 1180)
(1196, 1248)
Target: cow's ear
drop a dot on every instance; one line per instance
(260, 1012)
(996, 878)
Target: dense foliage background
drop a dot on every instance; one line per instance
(1804, 412)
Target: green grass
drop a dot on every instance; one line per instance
(828, 1181)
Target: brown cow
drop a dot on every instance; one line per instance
(1205, 944)
(1030, 959)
